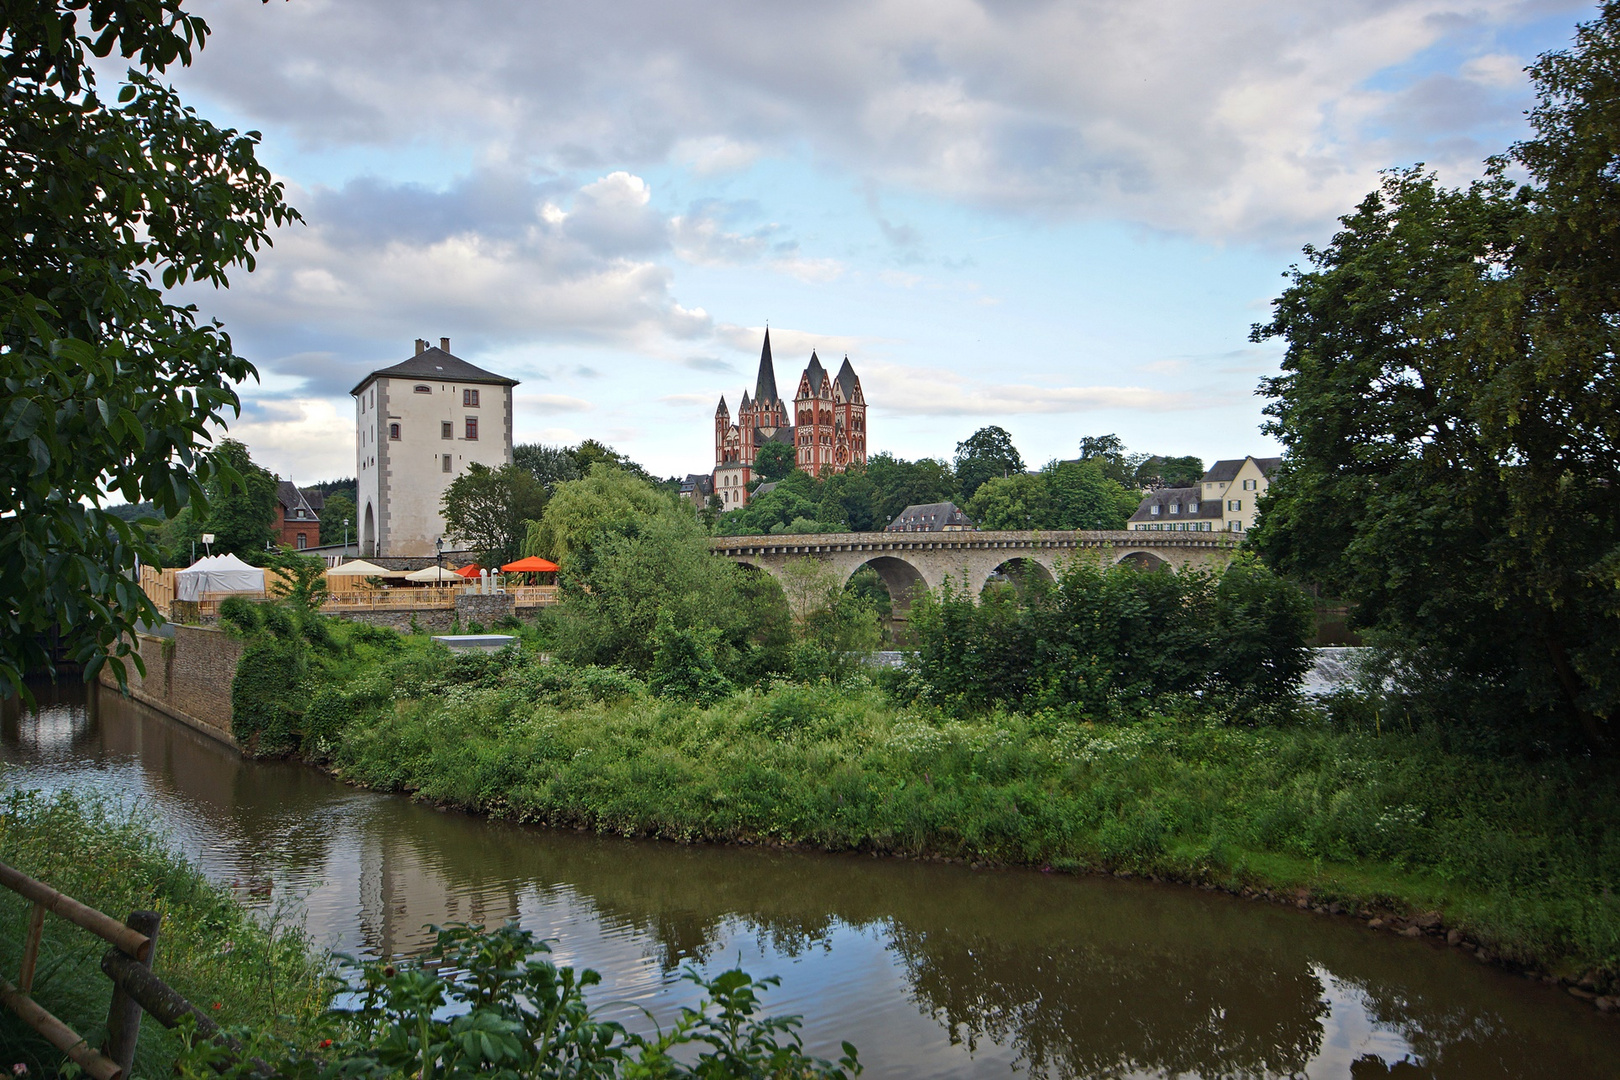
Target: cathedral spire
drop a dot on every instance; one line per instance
(765, 385)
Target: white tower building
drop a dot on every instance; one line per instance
(418, 425)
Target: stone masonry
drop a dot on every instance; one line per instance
(187, 677)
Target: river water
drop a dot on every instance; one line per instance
(930, 970)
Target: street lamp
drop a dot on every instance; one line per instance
(345, 536)
(438, 552)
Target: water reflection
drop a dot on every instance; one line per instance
(931, 970)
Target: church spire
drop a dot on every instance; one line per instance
(765, 385)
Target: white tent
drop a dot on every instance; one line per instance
(436, 573)
(217, 574)
(361, 568)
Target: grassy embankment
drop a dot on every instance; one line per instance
(209, 947)
(1519, 855)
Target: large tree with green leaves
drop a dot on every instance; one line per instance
(1450, 405)
(108, 387)
(987, 453)
(489, 510)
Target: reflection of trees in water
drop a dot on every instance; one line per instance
(1096, 1010)
(61, 726)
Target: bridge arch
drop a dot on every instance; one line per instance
(1142, 560)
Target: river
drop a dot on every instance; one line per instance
(931, 970)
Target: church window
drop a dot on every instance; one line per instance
(393, 432)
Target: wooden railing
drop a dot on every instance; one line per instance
(128, 964)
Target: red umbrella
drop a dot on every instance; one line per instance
(468, 571)
(533, 564)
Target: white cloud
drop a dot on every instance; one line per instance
(549, 404)
(1222, 120)
(811, 271)
(909, 391)
(302, 440)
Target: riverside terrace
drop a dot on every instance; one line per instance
(906, 560)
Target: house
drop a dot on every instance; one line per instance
(1224, 500)
(697, 489)
(418, 425)
(931, 517)
(298, 522)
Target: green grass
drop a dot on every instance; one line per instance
(1521, 855)
(209, 948)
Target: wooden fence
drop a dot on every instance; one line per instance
(128, 964)
(347, 593)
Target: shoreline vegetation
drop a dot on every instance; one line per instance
(1338, 807)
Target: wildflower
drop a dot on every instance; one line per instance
(219, 1005)
(325, 1043)
(19, 1069)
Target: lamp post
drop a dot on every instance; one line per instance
(345, 536)
(438, 552)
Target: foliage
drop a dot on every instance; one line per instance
(775, 460)
(836, 628)
(1453, 453)
(1155, 472)
(302, 582)
(108, 388)
(211, 950)
(591, 453)
(1106, 642)
(489, 510)
(683, 663)
(606, 499)
(243, 515)
(1064, 495)
(488, 1003)
(791, 507)
(1362, 808)
(339, 518)
(551, 465)
(987, 453)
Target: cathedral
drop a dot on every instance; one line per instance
(826, 426)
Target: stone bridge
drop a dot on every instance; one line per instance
(905, 561)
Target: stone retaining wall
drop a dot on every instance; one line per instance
(188, 678)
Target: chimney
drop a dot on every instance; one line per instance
(444, 343)
(421, 346)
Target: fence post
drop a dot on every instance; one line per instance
(124, 1014)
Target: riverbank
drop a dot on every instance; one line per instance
(1518, 858)
(210, 948)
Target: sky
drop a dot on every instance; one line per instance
(1057, 217)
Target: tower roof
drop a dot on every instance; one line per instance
(847, 379)
(765, 385)
(815, 374)
(437, 364)
(722, 410)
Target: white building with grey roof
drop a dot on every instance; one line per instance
(418, 425)
(1225, 500)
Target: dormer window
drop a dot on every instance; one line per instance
(1175, 508)
(1154, 510)
(421, 388)
(1192, 508)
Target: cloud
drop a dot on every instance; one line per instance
(302, 440)
(687, 401)
(549, 404)
(789, 346)
(1221, 120)
(812, 271)
(909, 391)
(708, 363)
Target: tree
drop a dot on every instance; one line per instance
(987, 453)
(1155, 471)
(489, 510)
(1082, 497)
(551, 465)
(1453, 460)
(243, 510)
(581, 509)
(897, 484)
(774, 460)
(108, 388)
(1020, 501)
(338, 519)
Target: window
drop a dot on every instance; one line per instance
(1236, 526)
(1234, 505)
(393, 432)
(1154, 510)
(444, 462)
(1175, 508)
(469, 399)
(447, 429)
(303, 541)
(1192, 508)
(1248, 485)
(472, 429)
(421, 388)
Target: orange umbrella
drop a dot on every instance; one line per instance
(534, 564)
(468, 571)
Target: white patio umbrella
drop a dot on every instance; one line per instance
(436, 574)
(361, 568)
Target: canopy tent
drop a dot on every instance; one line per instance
(217, 574)
(361, 568)
(434, 574)
(533, 564)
